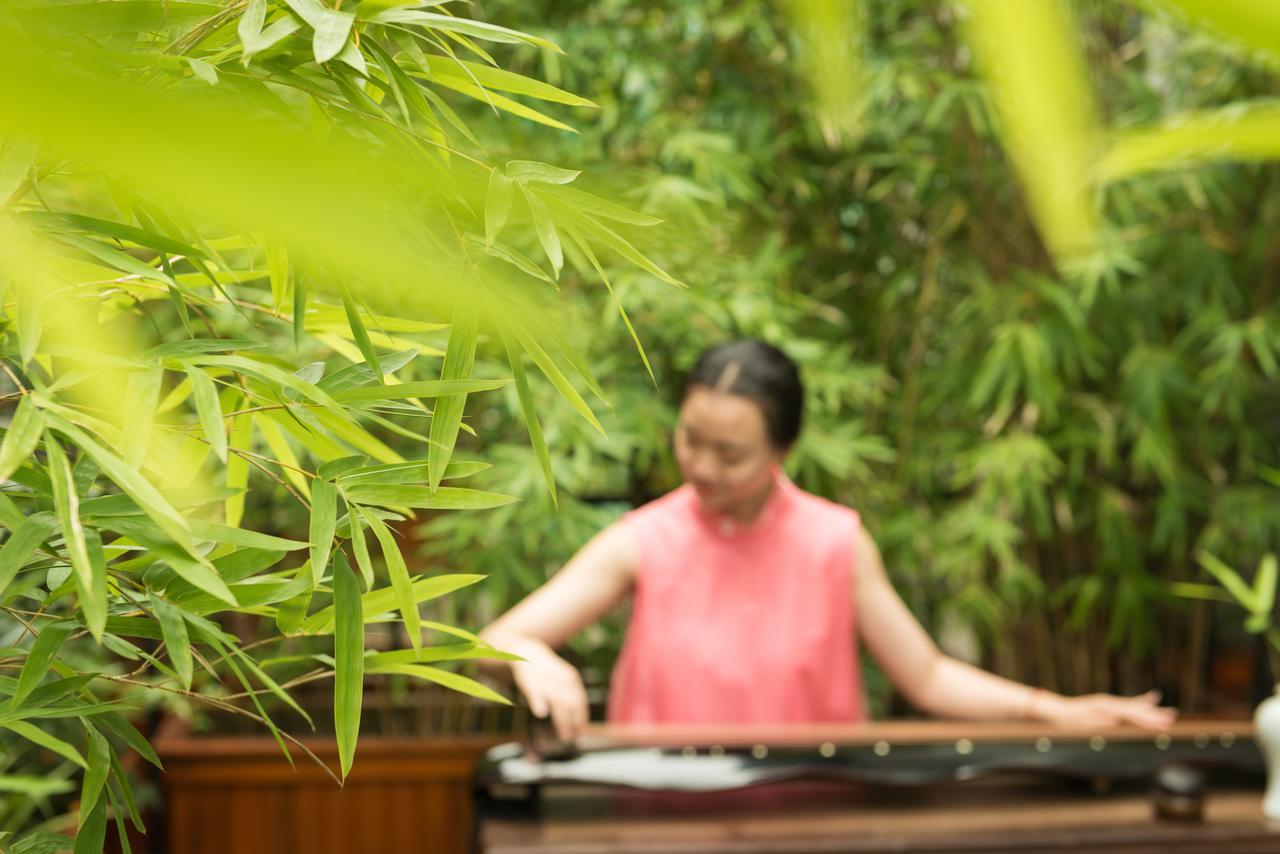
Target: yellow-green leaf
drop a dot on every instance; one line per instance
(20, 440)
(348, 653)
(401, 584)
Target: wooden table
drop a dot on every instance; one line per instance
(1003, 812)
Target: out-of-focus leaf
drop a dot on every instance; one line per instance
(28, 536)
(475, 29)
(419, 389)
(1264, 586)
(20, 440)
(209, 410)
(384, 599)
(1030, 54)
(459, 360)
(1241, 132)
(174, 629)
(548, 237)
(67, 505)
(361, 335)
(348, 653)
(240, 438)
(51, 638)
(521, 171)
(142, 394)
(401, 584)
(422, 497)
(1228, 578)
(497, 205)
(35, 735)
(324, 514)
(553, 373)
(516, 359)
(414, 472)
(453, 681)
(15, 163)
(1250, 22)
(503, 80)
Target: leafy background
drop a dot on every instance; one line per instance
(267, 265)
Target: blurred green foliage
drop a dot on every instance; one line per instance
(1037, 445)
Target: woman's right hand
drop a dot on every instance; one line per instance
(552, 687)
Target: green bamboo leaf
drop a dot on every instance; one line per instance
(496, 101)
(278, 272)
(610, 238)
(418, 390)
(209, 410)
(384, 599)
(548, 237)
(459, 360)
(174, 629)
(527, 406)
(198, 346)
(518, 260)
(1264, 586)
(55, 220)
(324, 515)
(131, 482)
(254, 38)
(503, 80)
(99, 766)
(242, 537)
(66, 503)
(93, 591)
(240, 438)
(92, 832)
(497, 205)
(20, 440)
(206, 72)
(115, 258)
(26, 538)
(423, 498)
(531, 170)
(49, 642)
(38, 736)
(361, 335)
(1249, 22)
(1030, 55)
(348, 653)
(374, 662)
(463, 26)
(142, 395)
(1228, 578)
(401, 583)
(586, 250)
(412, 472)
(291, 612)
(453, 681)
(1207, 592)
(593, 206)
(556, 377)
(271, 374)
(360, 546)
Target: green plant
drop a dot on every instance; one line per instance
(249, 252)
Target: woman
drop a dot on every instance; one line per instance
(749, 592)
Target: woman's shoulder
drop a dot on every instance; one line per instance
(677, 502)
(816, 507)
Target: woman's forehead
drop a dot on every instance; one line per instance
(723, 416)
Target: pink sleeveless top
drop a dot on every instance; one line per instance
(735, 624)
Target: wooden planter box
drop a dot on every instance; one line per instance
(238, 793)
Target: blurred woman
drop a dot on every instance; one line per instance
(750, 594)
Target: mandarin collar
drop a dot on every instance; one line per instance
(726, 527)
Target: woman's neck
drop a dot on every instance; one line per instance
(748, 511)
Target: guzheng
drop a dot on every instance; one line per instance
(907, 753)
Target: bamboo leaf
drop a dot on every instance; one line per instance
(278, 272)
(1229, 579)
(67, 505)
(20, 440)
(361, 335)
(497, 205)
(401, 584)
(49, 642)
(384, 599)
(453, 681)
(463, 26)
(240, 438)
(412, 472)
(548, 237)
(557, 378)
(515, 108)
(516, 359)
(418, 390)
(423, 498)
(348, 653)
(360, 546)
(459, 360)
(209, 410)
(504, 81)
(142, 395)
(324, 515)
(99, 766)
(1249, 22)
(92, 832)
(243, 538)
(26, 538)
(531, 170)
(174, 629)
(38, 736)
(1264, 586)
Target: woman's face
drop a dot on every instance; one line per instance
(723, 449)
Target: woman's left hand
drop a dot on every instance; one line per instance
(1103, 710)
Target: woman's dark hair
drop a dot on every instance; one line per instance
(761, 372)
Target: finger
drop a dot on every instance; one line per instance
(562, 715)
(537, 703)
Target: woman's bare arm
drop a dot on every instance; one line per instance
(590, 584)
(946, 687)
